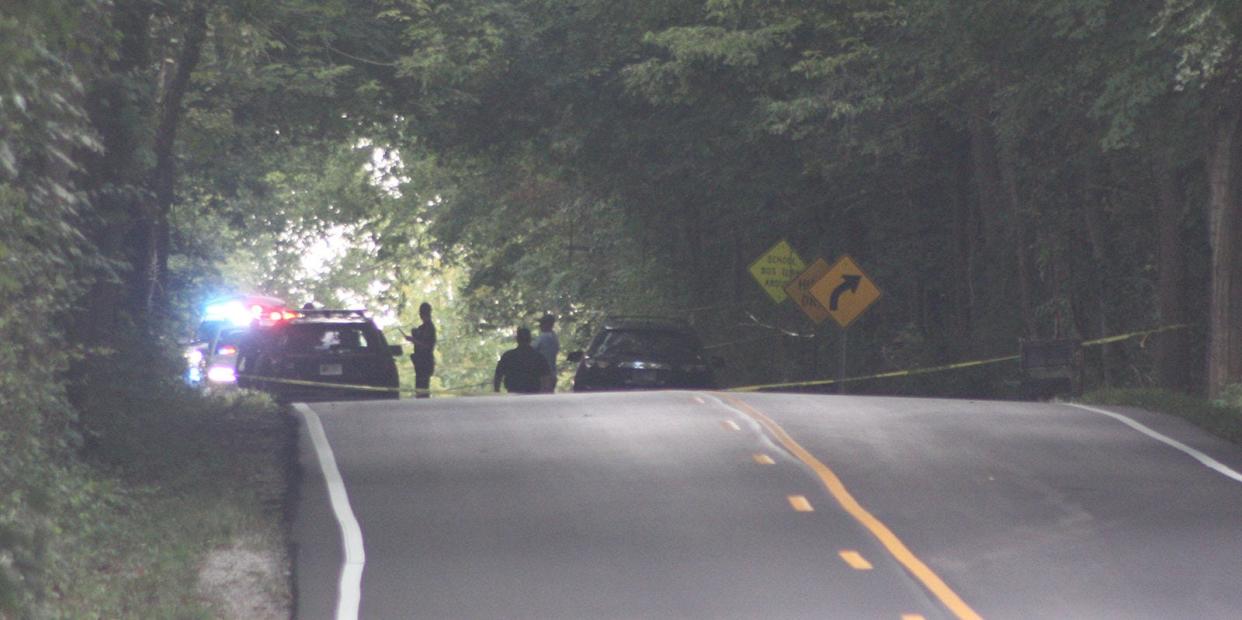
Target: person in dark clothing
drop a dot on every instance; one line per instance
(424, 356)
(523, 370)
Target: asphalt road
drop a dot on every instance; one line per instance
(705, 505)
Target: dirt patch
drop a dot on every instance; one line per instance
(248, 581)
(252, 579)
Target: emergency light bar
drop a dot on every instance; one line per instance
(241, 312)
(343, 314)
(235, 312)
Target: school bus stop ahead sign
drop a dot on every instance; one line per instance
(775, 268)
(845, 291)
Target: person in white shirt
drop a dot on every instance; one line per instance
(549, 346)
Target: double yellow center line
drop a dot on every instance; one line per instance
(887, 538)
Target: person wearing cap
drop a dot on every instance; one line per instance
(522, 369)
(549, 346)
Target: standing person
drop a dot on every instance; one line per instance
(523, 370)
(424, 356)
(549, 346)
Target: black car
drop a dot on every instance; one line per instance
(306, 358)
(643, 353)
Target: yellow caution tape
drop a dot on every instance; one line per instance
(1112, 339)
(959, 365)
(365, 388)
(338, 386)
(482, 387)
(882, 375)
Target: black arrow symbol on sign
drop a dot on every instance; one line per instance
(849, 283)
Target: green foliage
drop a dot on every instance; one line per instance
(1205, 37)
(989, 163)
(706, 134)
(43, 255)
(457, 45)
(1222, 418)
(183, 476)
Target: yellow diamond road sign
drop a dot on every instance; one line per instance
(776, 268)
(800, 290)
(845, 291)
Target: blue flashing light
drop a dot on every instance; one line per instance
(235, 312)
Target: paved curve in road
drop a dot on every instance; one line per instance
(707, 505)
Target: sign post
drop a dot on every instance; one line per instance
(844, 292)
(799, 290)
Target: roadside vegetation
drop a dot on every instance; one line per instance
(1002, 169)
(164, 481)
(1221, 417)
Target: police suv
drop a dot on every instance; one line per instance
(319, 355)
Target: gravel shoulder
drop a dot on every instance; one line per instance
(252, 578)
(248, 581)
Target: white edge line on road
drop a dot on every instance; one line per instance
(1207, 461)
(350, 588)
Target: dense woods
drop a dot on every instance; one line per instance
(1002, 169)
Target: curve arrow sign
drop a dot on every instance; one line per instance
(849, 283)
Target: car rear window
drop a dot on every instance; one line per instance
(656, 343)
(311, 338)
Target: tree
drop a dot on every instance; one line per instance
(1203, 34)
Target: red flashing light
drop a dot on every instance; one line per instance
(228, 349)
(278, 315)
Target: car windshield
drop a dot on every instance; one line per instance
(311, 338)
(653, 343)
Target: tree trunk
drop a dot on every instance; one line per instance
(965, 232)
(986, 172)
(693, 252)
(1099, 280)
(163, 178)
(1225, 312)
(739, 266)
(1172, 349)
(1017, 234)
(1064, 321)
(997, 184)
(116, 104)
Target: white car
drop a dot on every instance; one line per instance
(221, 367)
(212, 355)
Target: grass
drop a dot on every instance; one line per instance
(1222, 418)
(169, 475)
